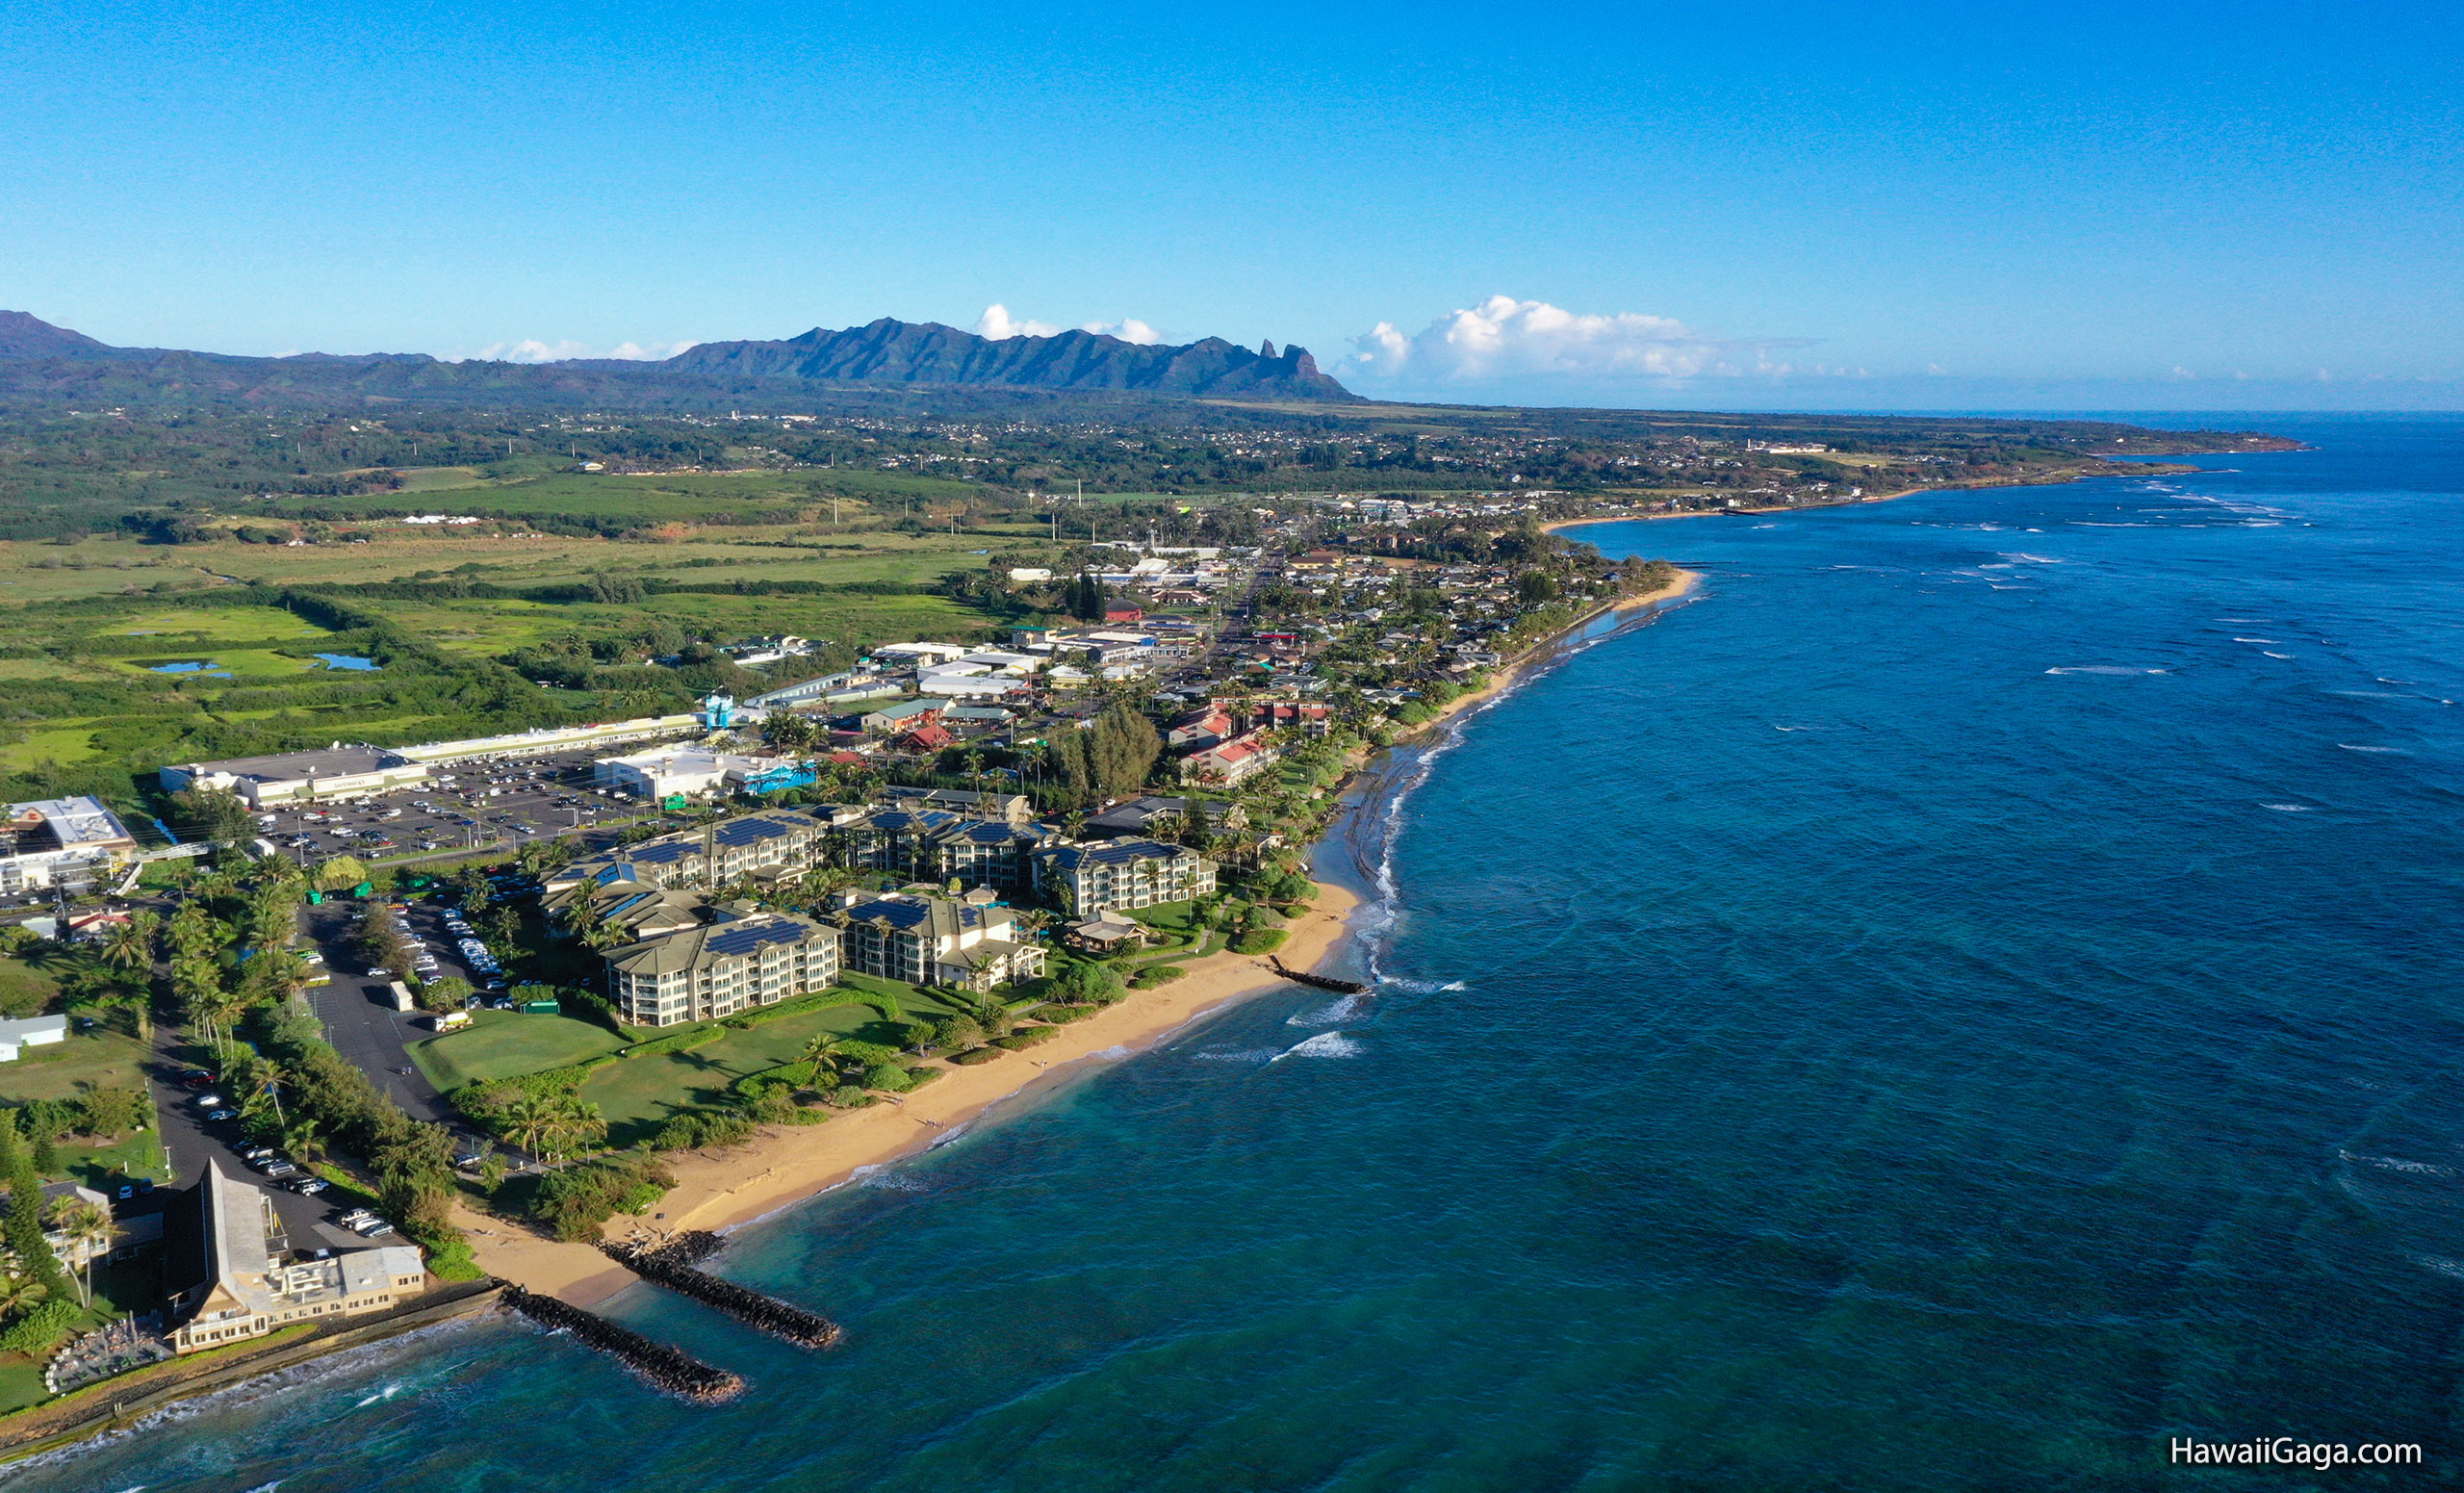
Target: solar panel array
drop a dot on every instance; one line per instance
(746, 937)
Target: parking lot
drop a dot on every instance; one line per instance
(466, 807)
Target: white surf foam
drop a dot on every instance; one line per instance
(2273, 653)
(1326, 1044)
(1335, 1014)
(2398, 1164)
(2101, 668)
(2288, 809)
(2375, 750)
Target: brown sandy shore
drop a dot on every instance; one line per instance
(717, 1190)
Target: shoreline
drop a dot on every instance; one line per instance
(784, 1165)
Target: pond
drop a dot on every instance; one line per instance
(348, 661)
(203, 667)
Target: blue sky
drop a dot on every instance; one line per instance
(1749, 205)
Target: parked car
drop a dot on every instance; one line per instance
(211, 1102)
(381, 974)
(220, 1115)
(199, 1079)
(307, 1184)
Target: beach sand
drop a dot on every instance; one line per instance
(717, 1190)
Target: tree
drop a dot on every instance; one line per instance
(130, 945)
(821, 1052)
(89, 1231)
(24, 1224)
(209, 813)
(341, 873)
(450, 993)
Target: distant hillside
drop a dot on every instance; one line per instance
(892, 352)
(42, 361)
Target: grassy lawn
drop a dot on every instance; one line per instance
(25, 990)
(506, 1044)
(98, 1058)
(639, 1095)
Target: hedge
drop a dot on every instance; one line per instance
(1154, 975)
(682, 1042)
(976, 1055)
(1258, 941)
(1026, 1037)
(918, 1077)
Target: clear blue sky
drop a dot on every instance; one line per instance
(1976, 205)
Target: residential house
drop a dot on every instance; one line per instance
(1227, 764)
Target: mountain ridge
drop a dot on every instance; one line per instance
(886, 352)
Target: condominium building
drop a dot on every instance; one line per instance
(1122, 873)
(736, 960)
(929, 939)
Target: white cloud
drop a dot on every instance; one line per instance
(996, 325)
(1127, 329)
(530, 349)
(1505, 338)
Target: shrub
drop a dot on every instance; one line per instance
(1154, 975)
(975, 1055)
(1027, 1037)
(1063, 1016)
(1258, 941)
(890, 1077)
(682, 1042)
(574, 1202)
(40, 1327)
(918, 1077)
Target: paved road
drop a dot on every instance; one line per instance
(190, 1142)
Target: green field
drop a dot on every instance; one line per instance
(507, 1043)
(639, 1095)
(101, 1058)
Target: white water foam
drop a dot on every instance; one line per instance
(2397, 1164)
(2255, 640)
(2273, 653)
(1336, 1015)
(1237, 1055)
(2101, 668)
(1326, 1044)
(2386, 750)
(1423, 987)
(2441, 1264)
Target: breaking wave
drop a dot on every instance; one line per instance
(1326, 1044)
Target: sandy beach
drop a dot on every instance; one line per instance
(718, 1190)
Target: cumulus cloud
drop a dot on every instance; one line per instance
(997, 325)
(1505, 338)
(1127, 329)
(530, 349)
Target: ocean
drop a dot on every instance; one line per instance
(1967, 1000)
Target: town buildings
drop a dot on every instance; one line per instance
(332, 772)
(69, 842)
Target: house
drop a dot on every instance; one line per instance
(1120, 613)
(902, 715)
(732, 958)
(926, 939)
(252, 1283)
(930, 736)
(939, 845)
(1308, 717)
(1229, 762)
(923, 654)
(15, 1037)
(1122, 873)
(62, 843)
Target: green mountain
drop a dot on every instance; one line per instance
(39, 360)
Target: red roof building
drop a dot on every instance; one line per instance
(925, 738)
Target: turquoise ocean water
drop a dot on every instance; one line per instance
(1969, 998)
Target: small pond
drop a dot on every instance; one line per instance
(348, 661)
(201, 667)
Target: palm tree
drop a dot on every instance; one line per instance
(529, 1119)
(304, 1139)
(130, 945)
(89, 1230)
(20, 1291)
(820, 1051)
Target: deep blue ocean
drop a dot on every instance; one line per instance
(1969, 998)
